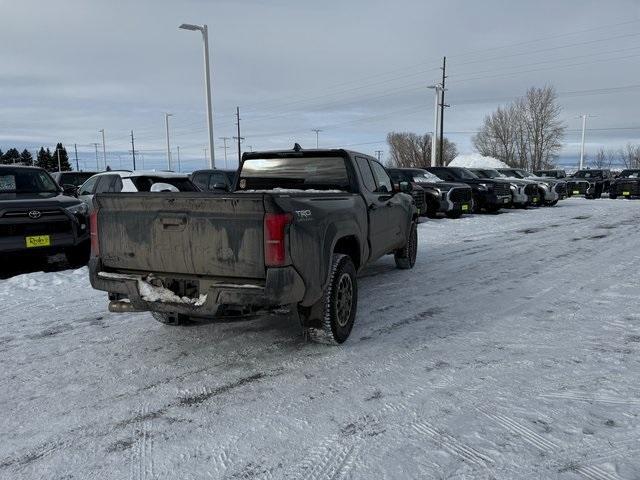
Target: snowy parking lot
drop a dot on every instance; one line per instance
(510, 351)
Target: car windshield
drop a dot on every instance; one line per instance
(630, 174)
(298, 173)
(144, 183)
(26, 180)
(425, 177)
(588, 173)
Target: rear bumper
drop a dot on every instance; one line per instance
(282, 286)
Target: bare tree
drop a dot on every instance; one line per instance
(410, 150)
(631, 156)
(603, 159)
(527, 133)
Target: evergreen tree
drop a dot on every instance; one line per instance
(12, 156)
(26, 158)
(65, 166)
(1, 155)
(45, 160)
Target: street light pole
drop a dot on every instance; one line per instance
(166, 121)
(207, 80)
(584, 126)
(104, 150)
(317, 130)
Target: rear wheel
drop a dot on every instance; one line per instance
(493, 208)
(405, 257)
(331, 319)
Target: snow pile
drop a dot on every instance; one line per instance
(41, 280)
(475, 160)
(152, 293)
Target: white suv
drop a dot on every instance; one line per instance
(117, 181)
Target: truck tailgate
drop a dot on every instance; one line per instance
(186, 233)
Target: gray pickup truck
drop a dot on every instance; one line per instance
(295, 231)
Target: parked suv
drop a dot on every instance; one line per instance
(555, 173)
(524, 192)
(71, 180)
(452, 199)
(590, 183)
(488, 194)
(627, 184)
(36, 218)
(117, 181)
(214, 180)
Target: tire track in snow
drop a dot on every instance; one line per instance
(594, 472)
(453, 445)
(514, 427)
(142, 461)
(583, 397)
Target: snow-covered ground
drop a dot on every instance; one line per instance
(511, 351)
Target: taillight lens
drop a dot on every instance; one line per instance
(93, 233)
(275, 225)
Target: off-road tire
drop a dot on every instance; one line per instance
(493, 208)
(405, 257)
(552, 204)
(431, 211)
(331, 319)
(454, 214)
(613, 197)
(173, 319)
(78, 256)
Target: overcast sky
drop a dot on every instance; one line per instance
(355, 69)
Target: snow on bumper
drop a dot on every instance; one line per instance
(282, 286)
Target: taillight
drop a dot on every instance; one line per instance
(93, 233)
(275, 225)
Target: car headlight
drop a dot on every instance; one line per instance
(483, 186)
(80, 208)
(544, 185)
(514, 187)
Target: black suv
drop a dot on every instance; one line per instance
(37, 218)
(590, 183)
(452, 199)
(488, 194)
(214, 180)
(626, 185)
(69, 181)
(554, 173)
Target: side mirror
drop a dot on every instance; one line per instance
(220, 186)
(70, 190)
(405, 187)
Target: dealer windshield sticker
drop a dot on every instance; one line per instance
(7, 183)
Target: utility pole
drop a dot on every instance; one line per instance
(224, 140)
(317, 130)
(166, 122)
(75, 148)
(178, 148)
(239, 138)
(442, 105)
(379, 154)
(133, 151)
(434, 137)
(97, 161)
(104, 150)
(584, 127)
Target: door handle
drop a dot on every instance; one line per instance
(372, 206)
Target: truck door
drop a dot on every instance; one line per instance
(393, 208)
(381, 233)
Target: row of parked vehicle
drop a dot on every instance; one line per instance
(287, 228)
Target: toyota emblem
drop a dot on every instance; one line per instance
(34, 214)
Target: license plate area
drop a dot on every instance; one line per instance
(576, 192)
(465, 207)
(626, 194)
(36, 241)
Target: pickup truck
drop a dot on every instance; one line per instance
(590, 183)
(295, 231)
(626, 185)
